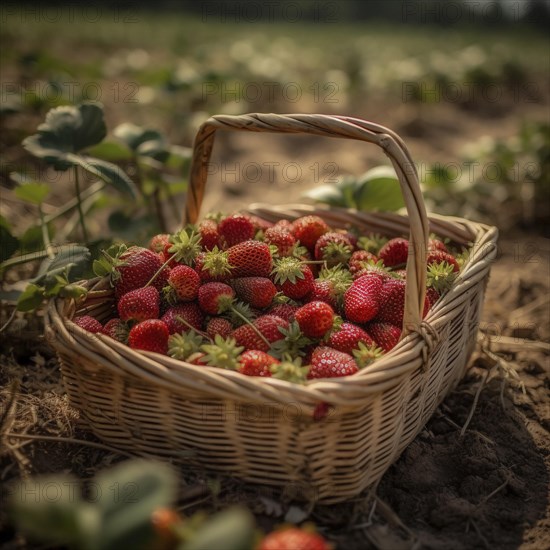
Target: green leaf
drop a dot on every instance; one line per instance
(66, 130)
(32, 240)
(31, 298)
(8, 243)
(129, 227)
(108, 172)
(143, 141)
(35, 193)
(59, 516)
(232, 529)
(72, 256)
(112, 151)
(379, 189)
(127, 496)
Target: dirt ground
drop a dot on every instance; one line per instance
(476, 477)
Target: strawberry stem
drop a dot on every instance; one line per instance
(158, 272)
(194, 329)
(254, 328)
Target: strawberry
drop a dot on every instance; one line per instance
(361, 299)
(223, 353)
(210, 237)
(315, 319)
(181, 346)
(149, 335)
(293, 278)
(215, 298)
(267, 326)
(218, 325)
(135, 268)
(370, 267)
(359, 259)
(182, 317)
(285, 311)
(139, 304)
(158, 242)
(334, 248)
(293, 538)
(183, 284)
(385, 335)
(438, 256)
(394, 252)
(330, 363)
(432, 296)
(256, 291)
(259, 223)
(392, 302)
(117, 329)
(213, 265)
(235, 229)
(323, 291)
(88, 323)
(282, 238)
(250, 259)
(365, 354)
(308, 229)
(256, 363)
(284, 224)
(436, 244)
(348, 337)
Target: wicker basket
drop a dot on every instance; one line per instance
(262, 430)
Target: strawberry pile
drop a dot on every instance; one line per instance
(292, 300)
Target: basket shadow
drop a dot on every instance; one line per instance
(482, 490)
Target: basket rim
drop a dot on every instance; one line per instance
(386, 372)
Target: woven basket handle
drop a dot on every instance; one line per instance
(338, 127)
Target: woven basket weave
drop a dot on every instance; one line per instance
(262, 429)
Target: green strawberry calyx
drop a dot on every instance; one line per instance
(223, 353)
(287, 269)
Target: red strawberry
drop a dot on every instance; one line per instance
(324, 291)
(267, 325)
(136, 270)
(250, 259)
(139, 304)
(282, 238)
(293, 278)
(334, 248)
(315, 319)
(235, 229)
(218, 325)
(285, 311)
(347, 338)
(117, 329)
(149, 335)
(361, 299)
(259, 223)
(359, 259)
(88, 323)
(210, 237)
(431, 298)
(215, 298)
(438, 256)
(256, 363)
(293, 538)
(158, 242)
(392, 302)
(256, 291)
(185, 282)
(385, 335)
(394, 252)
(189, 312)
(436, 244)
(330, 363)
(308, 229)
